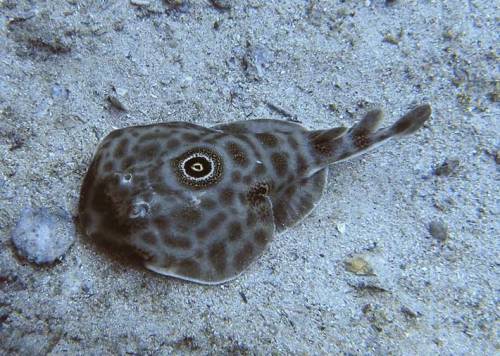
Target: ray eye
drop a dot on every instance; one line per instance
(198, 168)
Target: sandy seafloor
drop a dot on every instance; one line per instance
(325, 62)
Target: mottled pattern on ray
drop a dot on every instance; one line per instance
(293, 199)
(202, 204)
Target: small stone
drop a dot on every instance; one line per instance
(389, 38)
(333, 107)
(341, 227)
(116, 103)
(359, 266)
(43, 235)
(223, 5)
(139, 2)
(448, 167)
(439, 230)
(408, 312)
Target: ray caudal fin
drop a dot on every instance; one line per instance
(339, 144)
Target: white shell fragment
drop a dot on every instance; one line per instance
(42, 235)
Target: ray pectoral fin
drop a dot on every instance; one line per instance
(223, 253)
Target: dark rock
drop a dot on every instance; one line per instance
(448, 167)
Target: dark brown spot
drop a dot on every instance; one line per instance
(189, 268)
(261, 237)
(190, 137)
(208, 204)
(234, 231)
(361, 141)
(260, 169)
(267, 139)
(248, 179)
(214, 223)
(290, 191)
(201, 234)
(149, 238)
(161, 222)
(237, 154)
(301, 164)
(173, 143)
(188, 215)
(236, 176)
(244, 257)
(160, 136)
(121, 148)
(226, 196)
(251, 218)
(149, 152)
(217, 256)
(108, 166)
(154, 173)
(280, 163)
(257, 193)
(128, 162)
(324, 147)
(176, 241)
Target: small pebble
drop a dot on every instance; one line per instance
(116, 103)
(43, 235)
(139, 2)
(389, 38)
(359, 266)
(408, 312)
(222, 5)
(58, 91)
(448, 167)
(439, 230)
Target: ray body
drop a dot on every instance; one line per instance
(201, 204)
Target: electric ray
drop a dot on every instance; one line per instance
(202, 204)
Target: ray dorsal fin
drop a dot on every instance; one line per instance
(327, 135)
